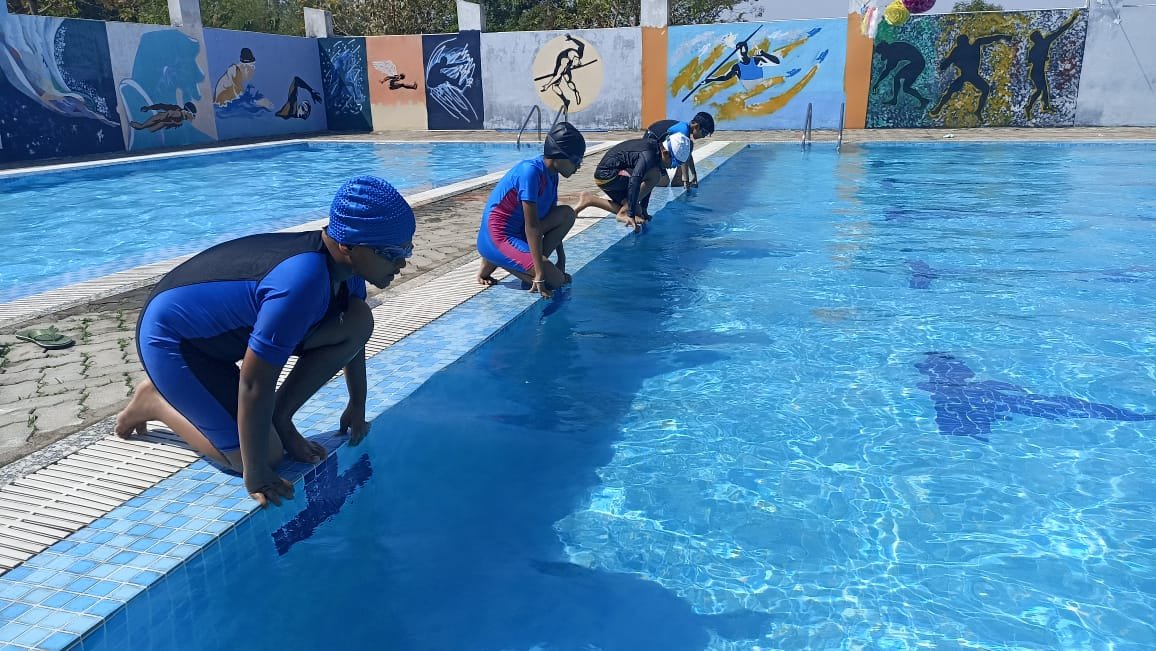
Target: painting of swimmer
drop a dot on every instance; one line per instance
(57, 94)
(263, 84)
(453, 81)
(758, 75)
(162, 86)
(978, 70)
(344, 71)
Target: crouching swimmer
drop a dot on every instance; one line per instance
(258, 300)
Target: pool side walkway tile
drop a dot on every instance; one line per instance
(173, 506)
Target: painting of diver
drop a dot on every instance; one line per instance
(56, 83)
(453, 81)
(345, 77)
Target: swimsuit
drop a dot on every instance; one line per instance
(502, 237)
(265, 292)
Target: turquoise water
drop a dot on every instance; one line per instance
(66, 227)
(893, 398)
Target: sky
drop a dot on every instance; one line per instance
(789, 9)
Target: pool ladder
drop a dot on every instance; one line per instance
(808, 131)
(563, 113)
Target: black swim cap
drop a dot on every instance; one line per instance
(705, 122)
(565, 141)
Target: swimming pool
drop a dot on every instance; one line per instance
(74, 225)
(760, 424)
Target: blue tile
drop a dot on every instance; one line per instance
(101, 588)
(81, 623)
(101, 523)
(137, 516)
(176, 521)
(58, 600)
(175, 507)
(104, 607)
(142, 545)
(95, 637)
(159, 532)
(201, 539)
(124, 592)
(11, 631)
(81, 567)
(83, 549)
(81, 603)
(62, 546)
(101, 555)
(58, 641)
(145, 578)
(59, 580)
(33, 615)
(38, 595)
(136, 501)
(141, 530)
(12, 611)
(123, 558)
(162, 547)
(81, 585)
(12, 590)
(32, 636)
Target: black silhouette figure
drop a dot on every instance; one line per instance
(294, 108)
(967, 408)
(1039, 56)
(567, 61)
(965, 56)
(395, 82)
(896, 55)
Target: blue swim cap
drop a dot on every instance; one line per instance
(368, 211)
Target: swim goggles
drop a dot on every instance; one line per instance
(394, 252)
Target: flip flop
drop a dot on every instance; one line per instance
(47, 338)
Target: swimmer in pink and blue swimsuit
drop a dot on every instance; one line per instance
(522, 224)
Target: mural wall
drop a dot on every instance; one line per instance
(981, 69)
(453, 76)
(162, 86)
(346, 81)
(758, 75)
(57, 93)
(264, 85)
(396, 82)
(1118, 81)
(556, 69)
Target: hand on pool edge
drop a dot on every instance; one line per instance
(353, 423)
(266, 486)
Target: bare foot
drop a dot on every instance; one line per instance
(584, 201)
(485, 274)
(134, 418)
(298, 447)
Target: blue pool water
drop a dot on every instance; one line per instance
(65, 227)
(893, 398)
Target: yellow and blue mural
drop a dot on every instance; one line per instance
(978, 69)
(758, 75)
(264, 85)
(162, 86)
(57, 94)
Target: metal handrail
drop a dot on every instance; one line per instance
(807, 127)
(533, 109)
(842, 111)
(563, 112)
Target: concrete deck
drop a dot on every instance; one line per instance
(48, 395)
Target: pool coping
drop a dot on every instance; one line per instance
(28, 308)
(176, 505)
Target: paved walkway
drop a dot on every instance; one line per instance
(46, 395)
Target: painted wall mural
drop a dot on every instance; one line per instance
(346, 79)
(983, 69)
(162, 86)
(453, 76)
(396, 82)
(555, 69)
(57, 95)
(1118, 79)
(264, 85)
(758, 75)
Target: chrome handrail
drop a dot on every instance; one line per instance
(807, 127)
(563, 112)
(533, 109)
(842, 112)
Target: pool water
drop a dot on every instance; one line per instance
(69, 226)
(893, 398)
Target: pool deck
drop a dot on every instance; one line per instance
(48, 395)
(56, 407)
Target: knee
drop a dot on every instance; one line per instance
(358, 323)
(567, 215)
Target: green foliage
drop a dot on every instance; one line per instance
(369, 17)
(975, 5)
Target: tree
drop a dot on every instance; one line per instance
(975, 5)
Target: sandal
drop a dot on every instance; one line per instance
(47, 338)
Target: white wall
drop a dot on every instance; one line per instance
(1120, 52)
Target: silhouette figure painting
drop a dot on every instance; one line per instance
(966, 55)
(908, 63)
(1039, 56)
(967, 408)
(295, 108)
(395, 79)
(561, 79)
(749, 67)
